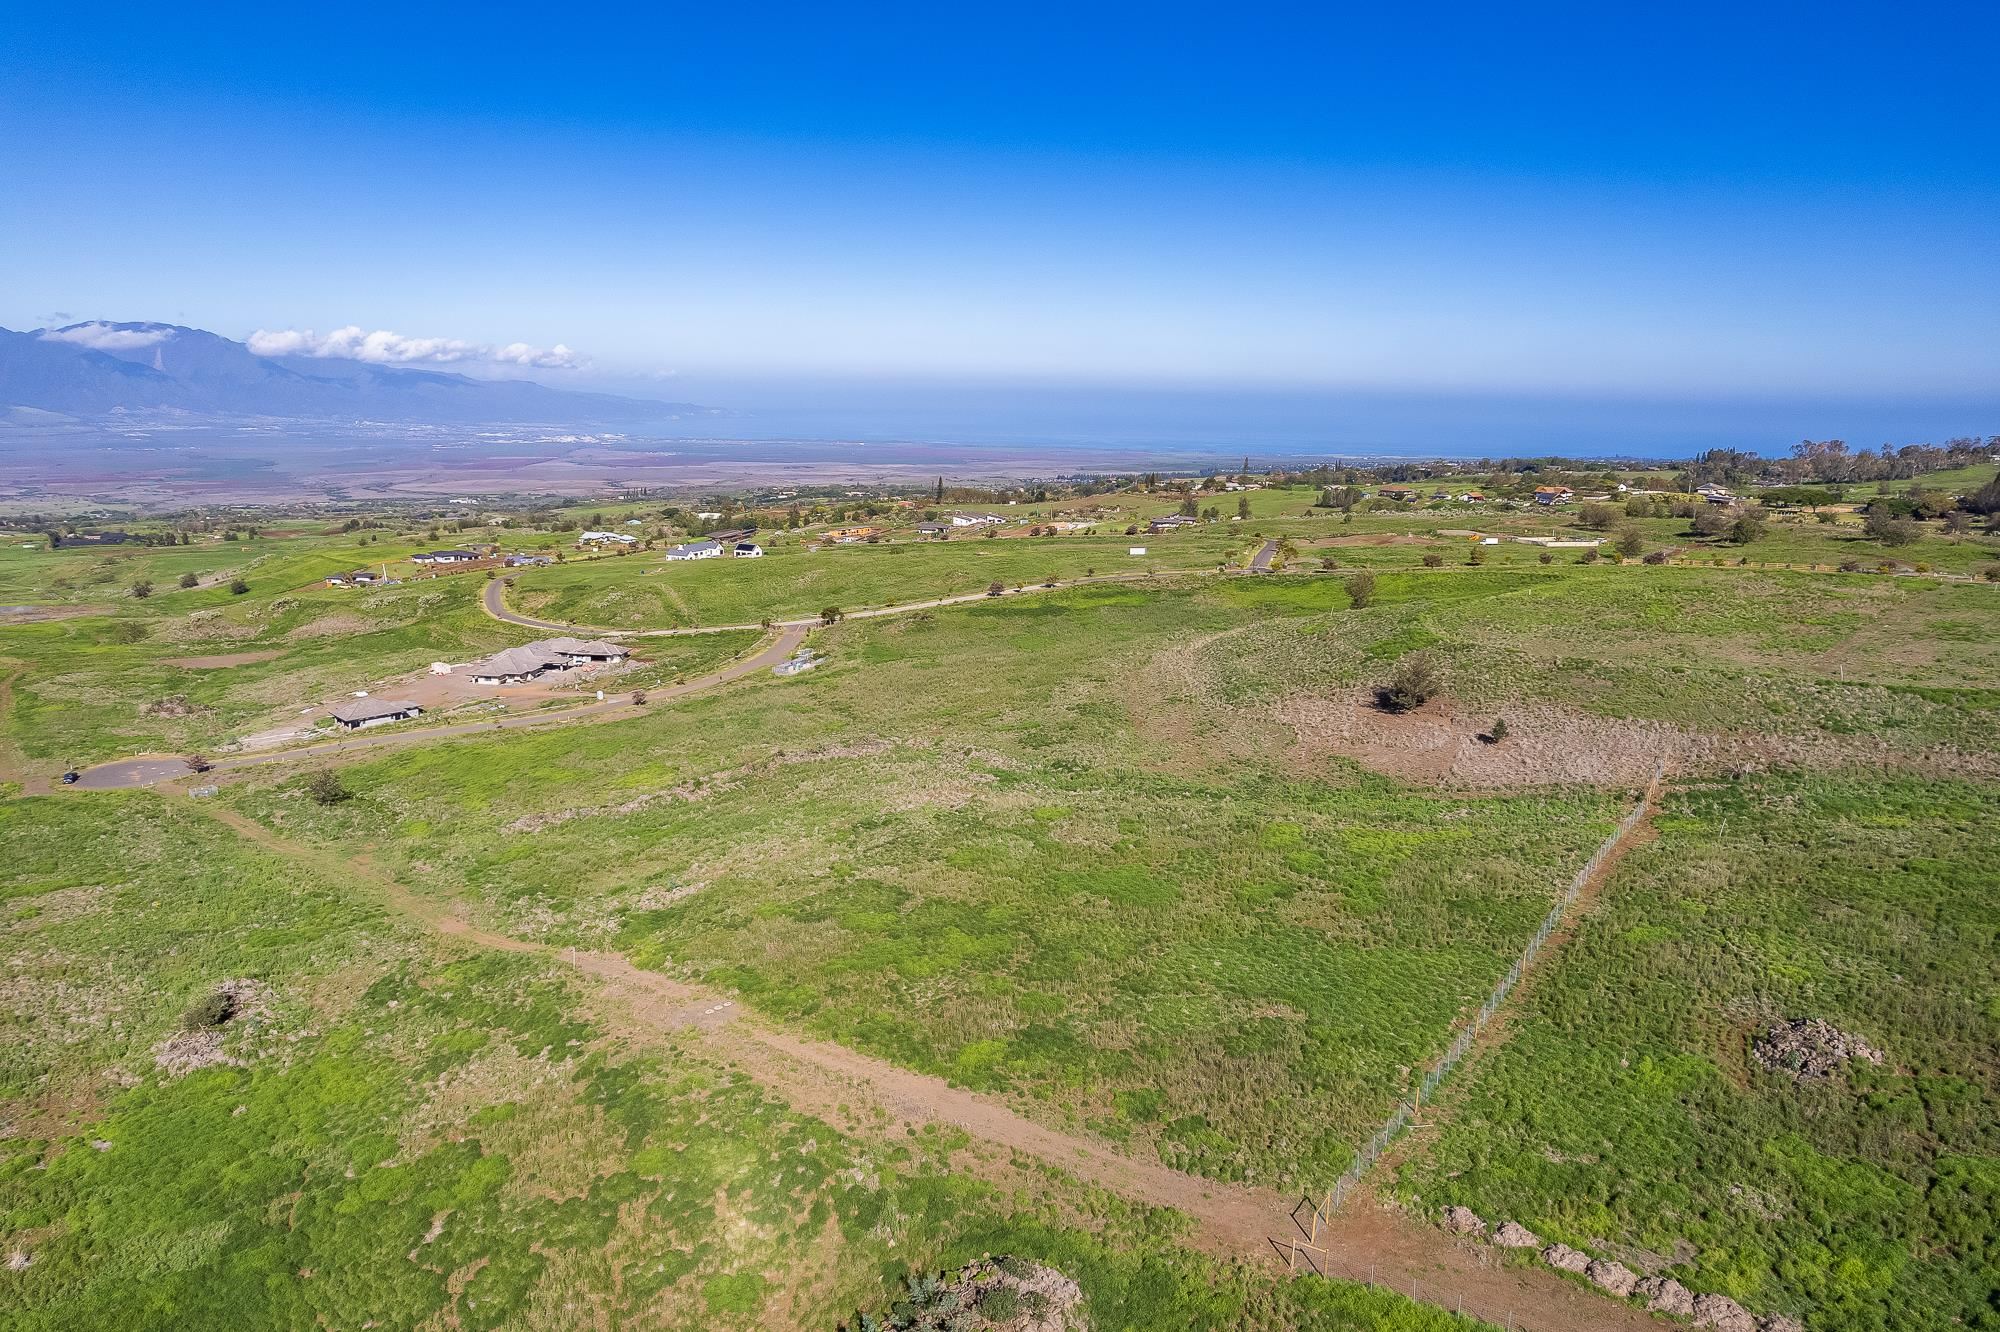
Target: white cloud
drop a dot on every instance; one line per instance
(383, 347)
(100, 336)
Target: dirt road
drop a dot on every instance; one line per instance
(495, 601)
(148, 769)
(829, 1081)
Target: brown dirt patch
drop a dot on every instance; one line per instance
(1437, 744)
(1377, 539)
(222, 659)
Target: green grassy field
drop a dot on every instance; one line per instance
(1628, 1116)
(405, 1137)
(645, 591)
(1104, 853)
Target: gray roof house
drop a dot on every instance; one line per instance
(443, 557)
(518, 664)
(695, 550)
(584, 651)
(357, 713)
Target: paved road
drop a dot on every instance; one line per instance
(1261, 561)
(149, 769)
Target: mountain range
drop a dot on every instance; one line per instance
(97, 369)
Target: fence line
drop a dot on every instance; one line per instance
(1369, 1151)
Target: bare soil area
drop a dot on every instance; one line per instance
(1436, 743)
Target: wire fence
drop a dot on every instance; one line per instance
(1371, 1150)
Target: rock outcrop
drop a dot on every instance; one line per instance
(1664, 1295)
(1615, 1278)
(1810, 1048)
(1723, 1314)
(1514, 1235)
(1464, 1221)
(1564, 1258)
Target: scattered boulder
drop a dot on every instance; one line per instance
(1723, 1314)
(1779, 1323)
(1464, 1221)
(1664, 1295)
(1514, 1235)
(1616, 1278)
(1000, 1294)
(19, 1260)
(1566, 1259)
(1810, 1048)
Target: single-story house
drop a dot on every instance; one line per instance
(733, 534)
(584, 652)
(1552, 494)
(1172, 521)
(443, 557)
(932, 529)
(1715, 494)
(527, 561)
(517, 665)
(975, 519)
(695, 550)
(359, 713)
(708, 515)
(606, 538)
(359, 578)
(747, 550)
(97, 538)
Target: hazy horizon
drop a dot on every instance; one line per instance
(1576, 210)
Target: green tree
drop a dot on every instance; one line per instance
(325, 788)
(189, 580)
(1414, 682)
(1888, 527)
(1631, 541)
(1361, 588)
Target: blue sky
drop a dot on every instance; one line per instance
(1691, 202)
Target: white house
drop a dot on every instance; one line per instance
(747, 550)
(695, 550)
(606, 538)
(443, 557)
(975, 519)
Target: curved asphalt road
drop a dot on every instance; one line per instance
(147, 770)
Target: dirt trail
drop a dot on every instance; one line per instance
(830, 1081)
